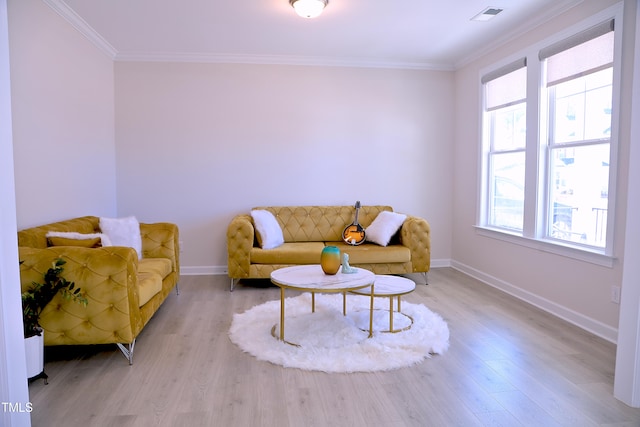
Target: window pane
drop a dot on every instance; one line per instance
(598, 113)
(510, 128)
(579, 194)
(507, 191)
(569, 118)
(583, 108)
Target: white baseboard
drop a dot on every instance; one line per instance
(439, 263)
(591, 325)
(206, 270)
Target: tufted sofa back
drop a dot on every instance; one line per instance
(159, 240)
(36, 237)
(320, 223)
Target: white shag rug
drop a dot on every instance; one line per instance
(330, 342)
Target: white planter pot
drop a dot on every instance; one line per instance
(34, 349)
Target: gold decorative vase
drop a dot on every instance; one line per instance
(330, 260)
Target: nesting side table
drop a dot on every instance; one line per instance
(312, 279)
(392, 287)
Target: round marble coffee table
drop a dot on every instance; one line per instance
(390, 286)
(311, 278)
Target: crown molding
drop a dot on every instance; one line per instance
(76, 21)
(550, 13)
(275, 60)
(66, 12)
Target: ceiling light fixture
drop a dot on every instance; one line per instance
(308, 8)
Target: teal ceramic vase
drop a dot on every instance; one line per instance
(330, 260)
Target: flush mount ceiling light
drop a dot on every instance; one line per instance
(308, 8)
(488, 13)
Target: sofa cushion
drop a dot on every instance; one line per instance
(268, 231)
(289, 253)
(149, 284)
(368, 253)
(123, 232)
(384, 227)
(71, 238)
(159, 266)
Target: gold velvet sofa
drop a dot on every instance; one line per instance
(123, 290)
(308, 229)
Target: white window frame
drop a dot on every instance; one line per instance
(490, 152)
(534, 229)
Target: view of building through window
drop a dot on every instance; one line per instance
(579, 158)
(507, 197)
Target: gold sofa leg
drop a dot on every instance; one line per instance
(233, 283)
(128, 350)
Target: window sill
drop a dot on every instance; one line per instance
(566, 250)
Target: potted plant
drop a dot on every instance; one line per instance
(34, 300)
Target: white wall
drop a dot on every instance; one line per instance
(199, 143)
(576, 290)
(627, 377)
(13, 373)
(62, 118)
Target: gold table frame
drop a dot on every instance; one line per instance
(311, 278)
(391, 287)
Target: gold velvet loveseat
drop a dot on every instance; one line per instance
(123, 290)
(308, 229)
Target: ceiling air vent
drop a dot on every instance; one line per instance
(487, 14)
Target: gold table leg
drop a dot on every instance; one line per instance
(391, 314)
(344, 303)
(282, 313)
(371, 313)
(313, 302)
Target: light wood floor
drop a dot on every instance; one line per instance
(509, 364)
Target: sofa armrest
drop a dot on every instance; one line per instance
(240, 237)
(107, 276)
(415, 234)
(161, 240)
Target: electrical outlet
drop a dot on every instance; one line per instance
(615, 294)
(181, 243)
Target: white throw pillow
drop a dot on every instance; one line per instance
(384, 227)
(269, 233)
(123, 232)
(80, 237)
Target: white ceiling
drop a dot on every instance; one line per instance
(395, 33)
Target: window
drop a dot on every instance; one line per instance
(579, 89)
(505, 124)
(547, 155)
